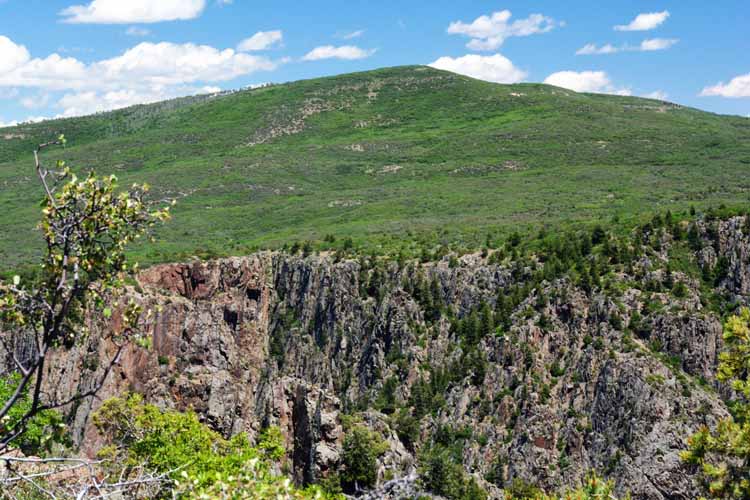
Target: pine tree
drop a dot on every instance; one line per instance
(487, 321)
(598, 235)
(586, 244)
(694, 239)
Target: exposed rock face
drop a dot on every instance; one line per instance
(273, 339)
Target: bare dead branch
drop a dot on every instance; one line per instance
(78, 478)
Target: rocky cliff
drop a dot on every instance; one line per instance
(563, 379)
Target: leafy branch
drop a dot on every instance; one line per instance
(86, 225)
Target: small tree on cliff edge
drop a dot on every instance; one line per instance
(86, 225)
(723, 453)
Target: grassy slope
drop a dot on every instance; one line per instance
(474, 158)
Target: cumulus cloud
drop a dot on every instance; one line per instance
(648, 45)
(145, 73)
(262, 40)
(145, 64)
(169, 64)
(347, 52)
(738, 86)
(4, 124)
(496, 68)
(585, 81)
(489, 32)
(644, 21)
(132, 11)
(54, 72)
(11, 55)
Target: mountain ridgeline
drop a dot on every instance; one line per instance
(435, 156)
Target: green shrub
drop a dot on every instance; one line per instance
(362, 447)
(42, 431)
(680, 290)
(169, 440)
(440, 475)
(198, 461)
(593, 489)
(407, 428)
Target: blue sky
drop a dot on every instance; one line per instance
(73, 57)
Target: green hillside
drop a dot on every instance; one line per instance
(381, 155)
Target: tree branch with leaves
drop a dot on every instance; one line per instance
(87, 224)
(723, 453)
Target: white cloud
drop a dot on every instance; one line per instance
(145, 64)
(86, 103)
(137, 31)
(738, 86)
(35, 102)
(36, 119)
(496, 68)
(592, 48)
(145, 73)
(169, 64)
(353, 35)
(12, 55)
(133, 11)
(648, 45)
(347, 52)
(657, 94)
(262, 40)
(644, 22)
(54, 72)
(657, 44)
(585, 81)
(29, 119)
(489, 32)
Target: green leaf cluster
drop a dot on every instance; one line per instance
(42, 431)
(723, 453)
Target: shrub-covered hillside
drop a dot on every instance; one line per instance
(375, 156)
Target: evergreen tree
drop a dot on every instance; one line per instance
(598, 235)
(694, 239)
(487, 320)
(584, 280)
(361, 450)
(585, 244)
(723, 453)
